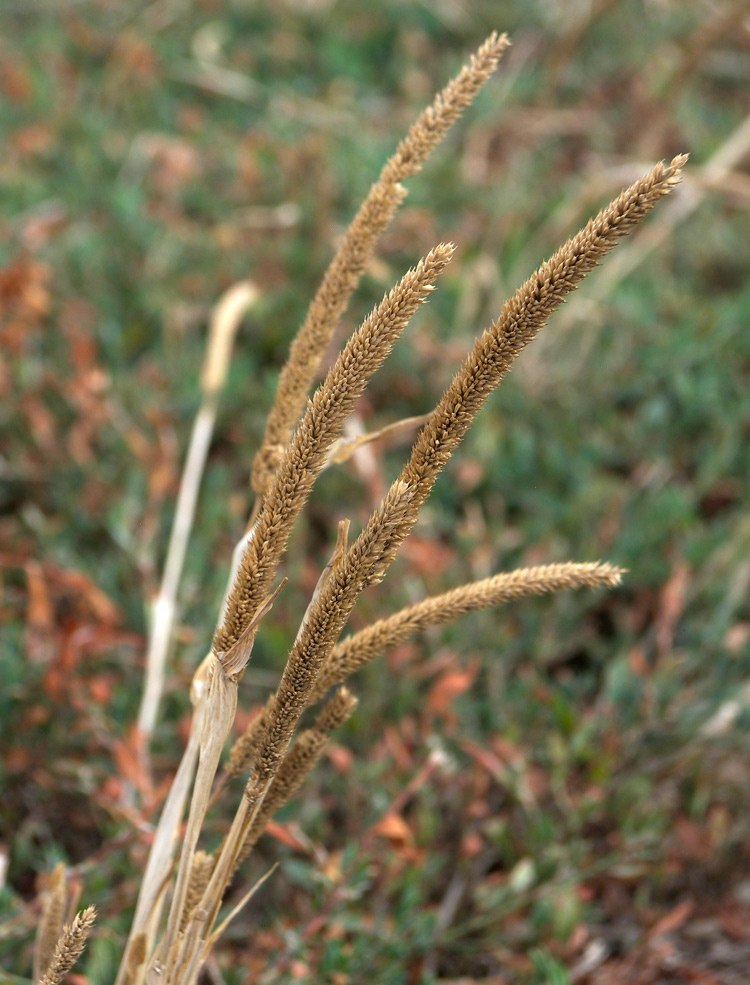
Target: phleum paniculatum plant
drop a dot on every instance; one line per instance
(177, 918)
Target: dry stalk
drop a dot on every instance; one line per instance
(54, 905)
(299, 762)
(345, 448)
(225, 321)
(151, 894)
(221, 706)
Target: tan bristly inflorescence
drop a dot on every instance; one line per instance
(69, 947)
(200, 873)
(367, 559)
(54, 906)
(356, 250)
(319, 428)
(357, 650)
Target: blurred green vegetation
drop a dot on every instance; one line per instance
(157, 152)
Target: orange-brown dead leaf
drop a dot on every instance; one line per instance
(472, 845)
(100, 604)
(39, 609)
(395, 830)
(15, 79)
(428, 557)
(341, 757)
(735, 921)
(671, 604)
(32, 139)
(486, 760)
(287, 837)
(130, 760)
(693, 842)
(448, 687)
(674, 919)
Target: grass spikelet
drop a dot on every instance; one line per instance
(200, 873)
(520, 320)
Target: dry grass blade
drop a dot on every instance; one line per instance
(221, 706)
(69, 947)
(344, 448)
(151, 894)
(236, 909)
(225, 321)
(356, 249)
(360, 648)
(321, 425)
(135, 961)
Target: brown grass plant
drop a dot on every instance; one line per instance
(274, 751)
(307, 453)
(366, 560)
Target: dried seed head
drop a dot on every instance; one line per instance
(298, 762)
(69, 947)
(360, 648)
(54, 905)
(357, 248)
(339, 709)
(320, 426)
(374, 549)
